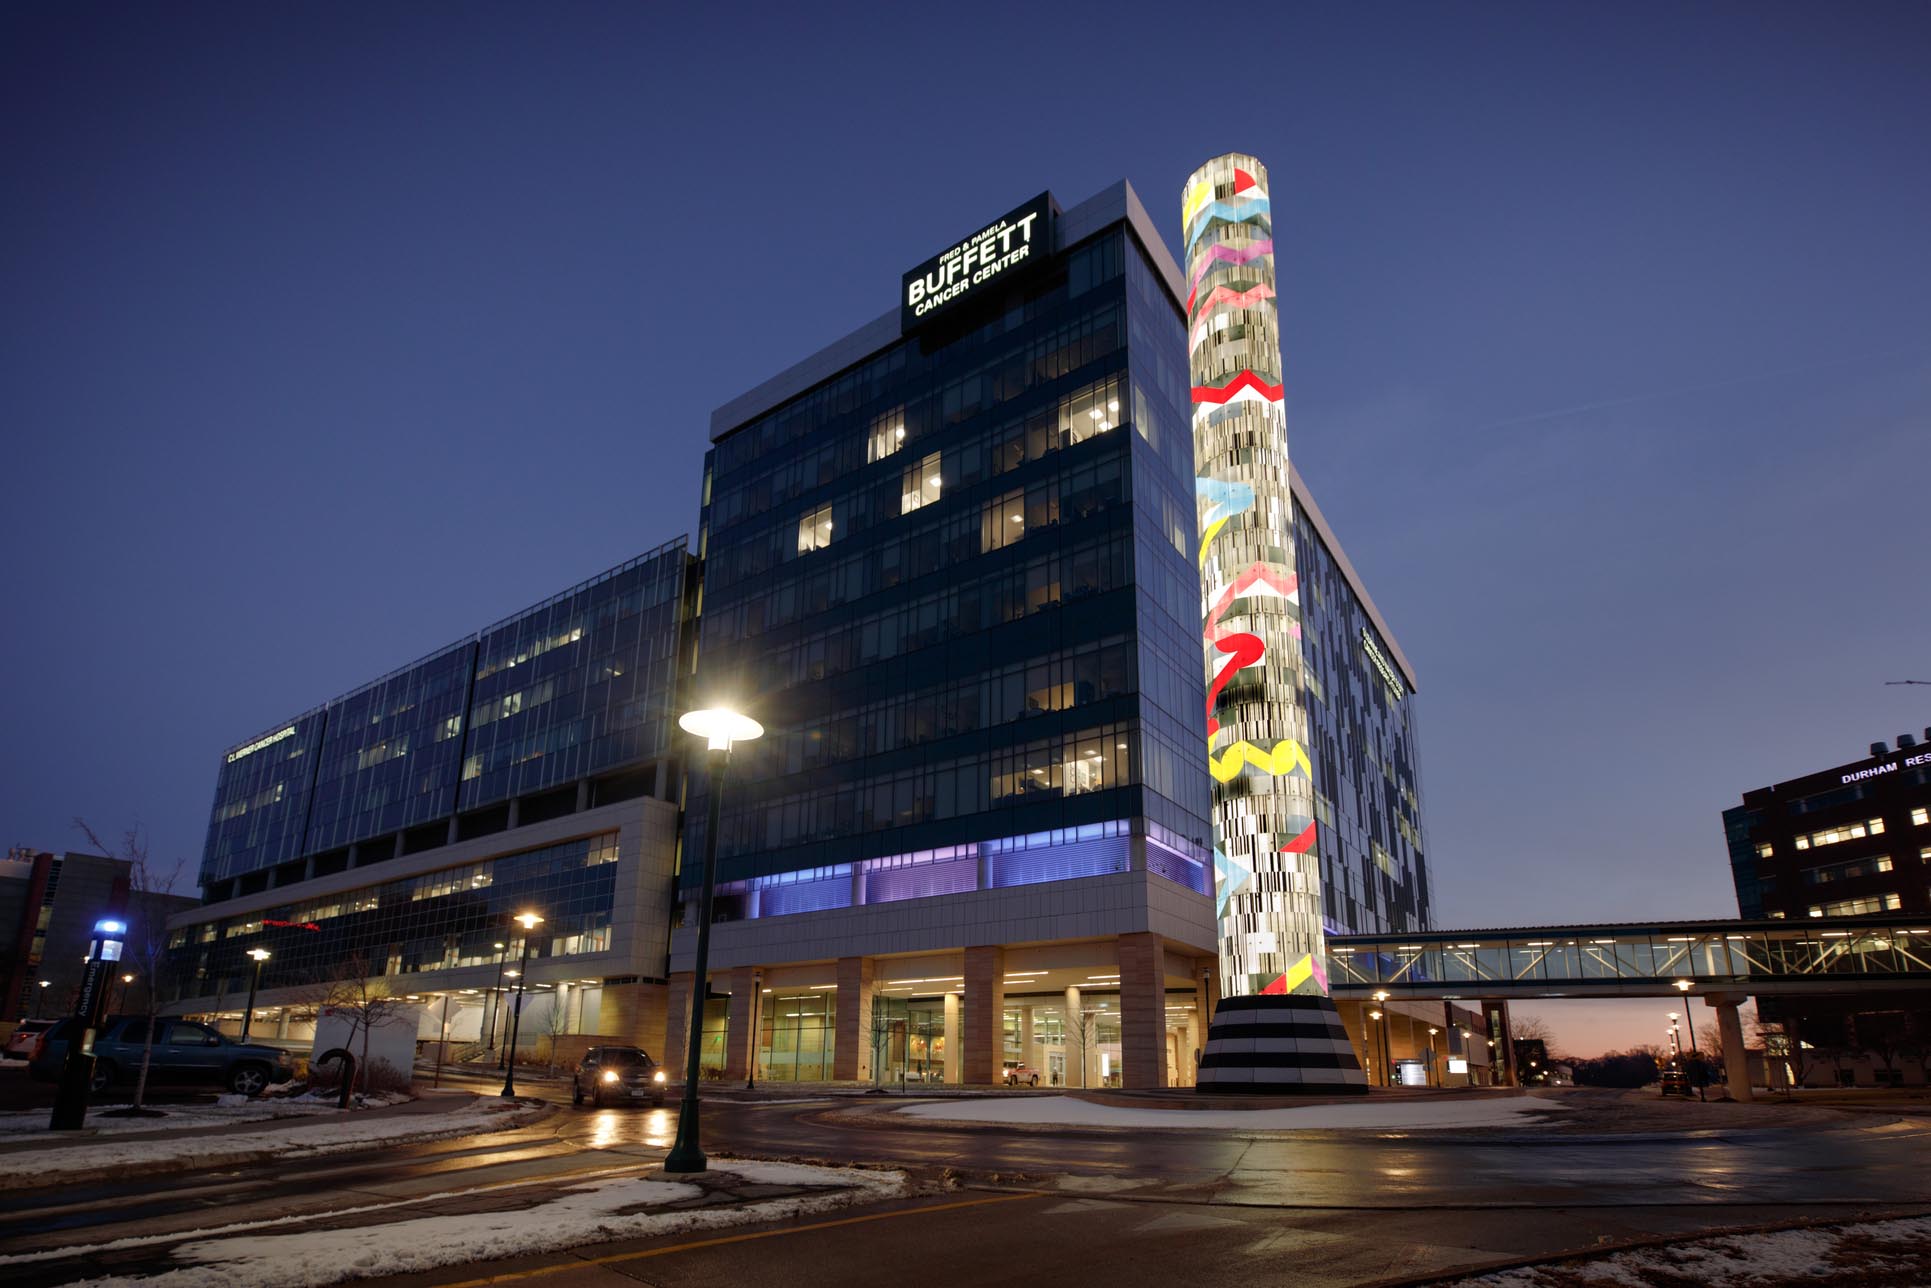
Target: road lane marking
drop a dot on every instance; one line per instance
(577, 1263)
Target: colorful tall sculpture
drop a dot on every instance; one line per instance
(1267, 870)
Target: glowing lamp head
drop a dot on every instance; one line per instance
(260, 954)
(127, 979)
(1683, 985)
(720, 727)
(109, 934)
(528, 920)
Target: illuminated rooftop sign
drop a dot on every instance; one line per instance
(1018, 240)
(259, 743)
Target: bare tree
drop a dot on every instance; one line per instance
(553, 1024)
(881, 1032)
(1078, 1027)
(356, 994)
(145, 951)
(1532, 1028)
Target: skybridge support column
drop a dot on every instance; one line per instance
(1736, 1061)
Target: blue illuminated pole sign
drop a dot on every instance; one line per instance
(70, 1100)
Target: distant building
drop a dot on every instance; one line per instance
(48, 906)
(1850, 841)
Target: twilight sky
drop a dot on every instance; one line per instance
(330, 333)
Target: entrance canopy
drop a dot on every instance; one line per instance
(1670, 958)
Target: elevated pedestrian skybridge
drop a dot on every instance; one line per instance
(1669, 958)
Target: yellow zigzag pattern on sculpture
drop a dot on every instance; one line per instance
(1286, 757)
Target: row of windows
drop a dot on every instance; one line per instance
(1088, 761)
(933, 546)
(1842, 832)
(1848, 871)
(1070, 678)
(441, 920)
(1857, 907)
(737, 553)
(1088, 569)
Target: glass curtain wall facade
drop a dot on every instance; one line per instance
(949, 581)
(1363, 745)
(580, 685)
(414, 926)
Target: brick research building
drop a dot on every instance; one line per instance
(948, 562)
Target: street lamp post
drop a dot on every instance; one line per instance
(502, 955)
(126, 980)
(1434, 1073)
(1387, 1053)
(77, 1070)
(1696, 1060)
(719, 728)
(530, 921)
(42, 992)
(261, 956)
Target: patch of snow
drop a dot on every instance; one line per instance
(1400, 1115)
(92, 1155)
(579, 1214)
(1827, 1254)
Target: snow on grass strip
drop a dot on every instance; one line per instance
(1896, 1251)
(1395, 1115)
(618, 1208)
(97, 1155)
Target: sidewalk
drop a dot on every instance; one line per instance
(83, 1157)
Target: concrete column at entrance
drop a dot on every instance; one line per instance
(1143, 1011)
(983, 1022)
(1736, 1061)
(740, 1035)
(1026, 1052)
(677, 1023)
(851, 1059)
(281, 1026)
(1069, 1031)
(1191, 1047)
(952, 1037)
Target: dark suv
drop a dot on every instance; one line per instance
(184, 1053)
(619, 1074)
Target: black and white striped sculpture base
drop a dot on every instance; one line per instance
(1279, 1045)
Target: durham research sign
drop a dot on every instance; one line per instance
(992, 255)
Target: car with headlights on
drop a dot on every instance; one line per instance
(617, 1075)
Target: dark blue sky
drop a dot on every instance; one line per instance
(329, 333)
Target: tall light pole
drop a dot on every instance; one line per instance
(261, 955)
(40, 994)
(530, 921)
(126, 980)
(1387, 1054)
(719, 728)
(502, 955)
(1433, 1073)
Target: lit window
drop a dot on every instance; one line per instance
(1003, 521)
(1920, 816)
(920, 485)
(1765, 850)
(814, 529)
(887, 435)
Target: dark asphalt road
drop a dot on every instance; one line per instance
(1217, 1201)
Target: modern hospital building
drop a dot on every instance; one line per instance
(952, 562)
